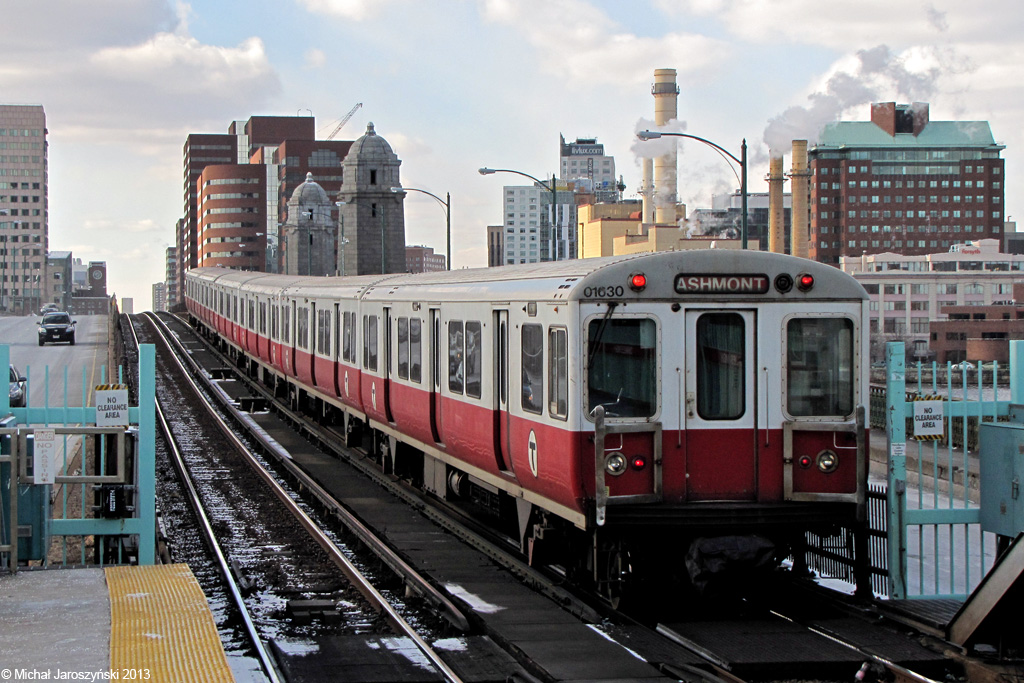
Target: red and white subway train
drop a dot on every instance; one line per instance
(611, 411)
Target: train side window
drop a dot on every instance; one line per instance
(474, 333)
(558, 372)
(234, 308)
(721, 366)
(302, 328)
(263, 318)
(819, 367)
(415, 350)
(348, 336)
(252, 315)
(403, 348)
(275, 312)
(622, 366)
(370, 342)
(323, 332)
(533, 368)
(286, 325)
(456, 357)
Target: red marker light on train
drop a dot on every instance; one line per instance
(805, 282)
(805, 461)
(637, 282)
(639, 462)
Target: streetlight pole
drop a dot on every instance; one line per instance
(447, 204)
(742, 162)
(554, 199)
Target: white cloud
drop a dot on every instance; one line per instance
(314, 58)
(356, 10)
(578, 42)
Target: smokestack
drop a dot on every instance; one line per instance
(800, 234)
(666, 96)
(776, 211)
(647, 191)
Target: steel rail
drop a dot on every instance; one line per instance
(178, 460)
(368, 590)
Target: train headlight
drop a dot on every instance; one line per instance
(615, 464)
(783, 282)
(828, 462)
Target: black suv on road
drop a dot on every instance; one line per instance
(56, 327)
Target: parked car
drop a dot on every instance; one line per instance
(964, 366)
(56, 327)
(17, 390)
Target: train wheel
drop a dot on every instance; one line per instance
(618, 571)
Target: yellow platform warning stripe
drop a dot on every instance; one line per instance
(160, 621)
(111, 387)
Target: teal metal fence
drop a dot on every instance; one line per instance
(77, 488)
(936, 548)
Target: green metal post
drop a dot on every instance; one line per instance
(147, 454)
(896, 441)
(1016, 372)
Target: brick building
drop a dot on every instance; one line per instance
(901, 182)
(979, 333)
(420, 259)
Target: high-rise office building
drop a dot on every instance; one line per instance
(903, 183)
(24, 230)
(171, 277)
(585, 164)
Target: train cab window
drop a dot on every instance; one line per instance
(533, 368)
(370, 342)
(474, 333)
(622, 366)
(456, 357)
(403, 348)
(721, 366)
(415, 350)
(558, 372)
(819, 367)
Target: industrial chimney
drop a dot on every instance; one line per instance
(801, 192)
(666, 96)
(647, 191)
(776, 210)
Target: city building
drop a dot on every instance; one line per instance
(539, 225)
(24, 229)
(89, 296)
(901, 182)
(421, 259)
(59, 280)
(978, 333)
(171, 278)
(724, 218)
(127, 305)
(585, 164)
(159, 297)
(308, 236)
(201, 150)
(372, 220)
(232, 210)
(910, 292)
(495, 245)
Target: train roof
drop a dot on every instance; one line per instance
(587, 279)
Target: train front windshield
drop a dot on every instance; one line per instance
(622, 366)
(819, 367)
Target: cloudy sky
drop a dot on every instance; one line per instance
(454, 85)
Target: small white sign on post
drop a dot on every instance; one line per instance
(111, 406)
(44, 454)
(927, 418)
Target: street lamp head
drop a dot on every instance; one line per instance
(340, 203)
(648, 135)
(396, 189)
(486, 171)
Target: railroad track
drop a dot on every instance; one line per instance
(225, 511)
(709, 657)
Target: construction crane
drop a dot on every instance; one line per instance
(344, 120)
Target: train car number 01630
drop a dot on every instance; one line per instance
(608, 292)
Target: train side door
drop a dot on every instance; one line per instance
(502, 428)
(435, 374)
(386, 361)
(720, 405)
